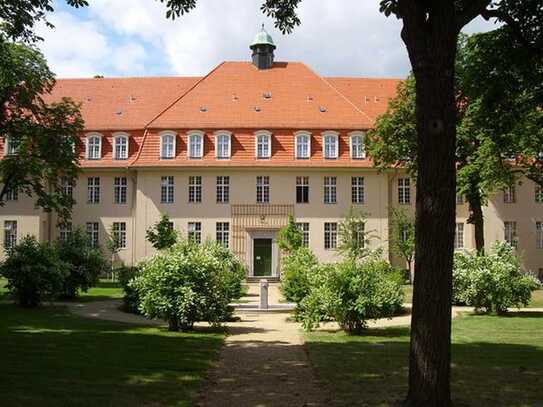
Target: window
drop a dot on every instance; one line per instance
(167, 146)
(67, 187)
(539, 234)
(330, 145)
(405, 233)
(510, 233)
(330, 190)
(304, 228)
(357, 146)
(196, 145)
(92, 233)
(404, 191)
(357, 190)
(12, 194)
(93, 190)
(539, 194)
(459, 236)
(223, 148)
(302, 189)
(262, 189)
(459, 199)
(195, 232)
(303, 146)
(330, 235)
(119, 234)
(360, 228)
(65, 229)
(10, 234)
(166, 189)
(223, 189)
(195, 189)
(120, 190)
(509, 195)
(10, 146)
(263, 145)
(223, 233)
(121, 147)
(94, 147)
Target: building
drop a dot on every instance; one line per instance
(229, 156)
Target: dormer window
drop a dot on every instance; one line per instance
(263, 144)
(10, 146)
(94, 147)
(330, 145)
(303, 145)
(356, 142)
(196, 145)
(120, 147)
(167, 146)
(223, 149)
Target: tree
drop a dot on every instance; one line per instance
(402, 237)
(290, 238)
(41, 139)
(353, 236)
(162, 235)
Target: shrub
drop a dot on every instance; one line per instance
(295, 269)
(86, 263)
(351, 293)
(492, 282)
(131, 299)
(162, 235)
(34, 271)
(290, 238)
(189, 283)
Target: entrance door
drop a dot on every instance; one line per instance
(262, 257)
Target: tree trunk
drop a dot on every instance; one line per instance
(477, 220)
(431, 42)
(173, 324)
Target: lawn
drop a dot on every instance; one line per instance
(496, 362)
(53, 358)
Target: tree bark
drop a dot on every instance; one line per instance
(477, 220)
(431, 40)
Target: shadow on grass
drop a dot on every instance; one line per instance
(52, 358)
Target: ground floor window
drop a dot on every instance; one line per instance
(10, 234)
(64, 231)
(330, 235)
(119, 234)
(223, 233)
(304, 228)
(539, 234)
(194, 232)
(510, 233)
(92, 233)
(459, 236)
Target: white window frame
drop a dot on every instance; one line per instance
(94, 190)
(333, 135)
(304, 228)
(195, 189)
(119, 230)
(195, 135)
(355, 134)
(117, 137)
(459, 231)
(194, 232)
(263, 189)
(267, 135)
(120, 190)
(358, 190)
(330, 190)
(93, 232)
(9, 148)
(222, 194)
(510, 195)
(222, 233)
(167, 189)
(88, 139)
(330, 235)
(162, 136)
(539, 235)
(10, 234)
(218, 136)
(404, 191)
(64, 231)
(510, 234)
(297, 136)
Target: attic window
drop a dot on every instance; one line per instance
(322, 109)
(203, 109)
(119, 112)
(132, 98)
(376, 99)
(367, 99)
(267, 95)
(235, 98)
(257, 109)
(310, 98)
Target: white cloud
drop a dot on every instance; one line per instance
(335, 38)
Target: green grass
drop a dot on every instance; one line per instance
(496, 361)
(53, 358)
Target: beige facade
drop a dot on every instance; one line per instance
(248, 220)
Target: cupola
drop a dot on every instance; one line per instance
(262, 47)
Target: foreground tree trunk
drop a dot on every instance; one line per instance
(431, 42)
(477, 220)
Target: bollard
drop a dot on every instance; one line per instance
(263, 294)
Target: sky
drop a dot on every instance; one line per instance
(133, 38)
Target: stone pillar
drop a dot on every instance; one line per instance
(263, 294)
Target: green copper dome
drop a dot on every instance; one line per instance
(262, 37)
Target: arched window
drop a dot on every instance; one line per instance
(330, 145)
(120, 147)
(356, 142)
(223, 146)
(167, 145)
(94, 147)
(303, 145)
(263, 148)
(196, 144)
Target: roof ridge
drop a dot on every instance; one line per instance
(376, 78)
(106, 78)
(339, 93)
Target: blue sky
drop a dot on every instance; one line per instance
(133, 38)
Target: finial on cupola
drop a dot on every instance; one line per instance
(263, 47)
